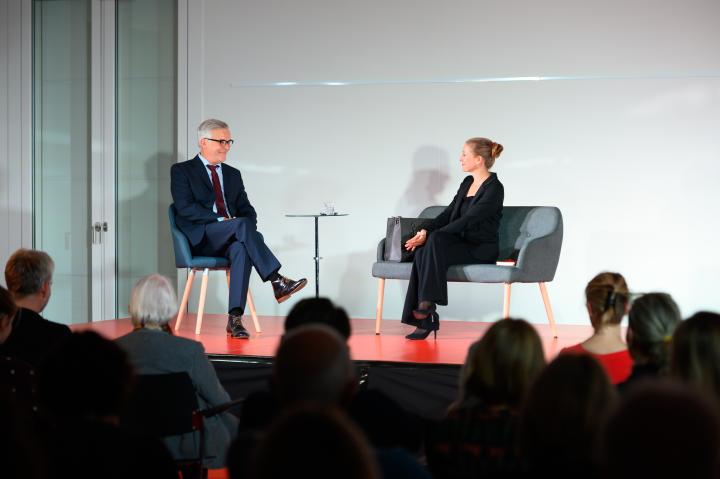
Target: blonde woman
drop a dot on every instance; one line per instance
(465, 232)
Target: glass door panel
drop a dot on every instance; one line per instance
(146, 139)
(61, 136)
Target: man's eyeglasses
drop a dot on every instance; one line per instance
(222, 142)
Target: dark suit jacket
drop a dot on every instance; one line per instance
(481, 222)
(32, 337)
(194, 197)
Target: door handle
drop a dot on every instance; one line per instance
(97, 231)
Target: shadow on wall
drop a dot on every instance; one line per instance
(430, 166)
(357, 284)
(144, 240)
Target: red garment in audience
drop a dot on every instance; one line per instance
(618, 365)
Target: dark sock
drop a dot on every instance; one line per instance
(426, 305)
(236, 312)
(273, 276)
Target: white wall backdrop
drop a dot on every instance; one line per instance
(622, 134)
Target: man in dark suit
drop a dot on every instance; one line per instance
(215, 214)
(28, 274)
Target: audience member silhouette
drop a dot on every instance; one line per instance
(314, 441)
(318, 311)
(18, 384)
(652, 321)
(84, 383)
(28, 275)
(663, 429)
(477, 438)
(153, 349)
(19, 454)
(7, 313)
(695, 352)
(608, 300)
(563, 417)
(313, 366)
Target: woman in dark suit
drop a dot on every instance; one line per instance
(465, 232)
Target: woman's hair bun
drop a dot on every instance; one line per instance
(496, 149)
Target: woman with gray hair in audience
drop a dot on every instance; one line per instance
(652, 321)
(154, 350)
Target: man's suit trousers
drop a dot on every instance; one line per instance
(240, 242)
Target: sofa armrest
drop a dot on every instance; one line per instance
(381, 250)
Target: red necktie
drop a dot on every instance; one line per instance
(219, 201)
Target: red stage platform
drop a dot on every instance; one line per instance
(450, 347)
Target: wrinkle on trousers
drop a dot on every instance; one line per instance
(241, 243)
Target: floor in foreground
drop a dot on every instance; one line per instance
(450, 347)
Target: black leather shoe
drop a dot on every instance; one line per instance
(431, 324)
(235, 327)
(285, 287)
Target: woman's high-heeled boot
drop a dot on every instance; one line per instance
(427, 325)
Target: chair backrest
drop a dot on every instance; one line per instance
(181, 245)
(531, 235)
(162, 405)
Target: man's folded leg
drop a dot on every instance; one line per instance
(264, 261)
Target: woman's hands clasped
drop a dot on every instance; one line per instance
(417, 240)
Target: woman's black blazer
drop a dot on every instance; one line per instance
(481, 222)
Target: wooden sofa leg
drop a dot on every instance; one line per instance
(379, 308)
(184, 302)
(548, 308)
(506, 301)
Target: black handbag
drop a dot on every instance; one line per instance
(399, 230)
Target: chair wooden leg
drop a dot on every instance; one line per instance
(201, 305)
(379, 308)
(506, 301)
(548, 308)
(253, 312)
(184, 302)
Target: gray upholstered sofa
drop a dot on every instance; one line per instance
(531, 236)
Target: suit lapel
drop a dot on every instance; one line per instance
(229, 185)
(202, 173)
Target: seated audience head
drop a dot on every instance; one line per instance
(695, 352)
(313, 364)
(663, 429)
(7, 312)
(564, 414)
(483, 148)
(608, 299)
(318, 311)
(502, 365)
(652, 321)
(314, 442)
(86, 376)
(153, 302)
(28, 275)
